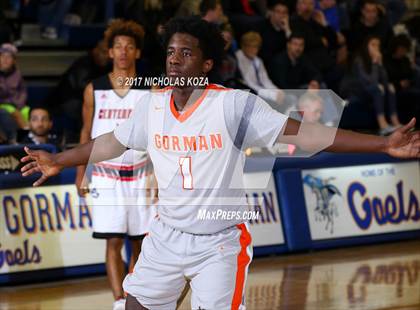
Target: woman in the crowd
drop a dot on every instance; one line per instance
(369, 70)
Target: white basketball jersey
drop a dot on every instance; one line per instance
(112, 109)
(197, 159)
(200, 166)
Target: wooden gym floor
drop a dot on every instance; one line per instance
(383, 276)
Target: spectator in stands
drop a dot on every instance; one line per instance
(51, 16)
(228, 69)
(290, 69)
(211, 11)
(246, 7)
(65, 102)
(395, 9)
(403, 74)
(40, 125)
(330, 10)
(372, 22)
(333, 16)
(188, 8)
(13, 93)
(310, 107)
(253, 71)
(294, 72)
(369, 70)
(8, 128)
(320, 38)
(245, 15)
(274, 30)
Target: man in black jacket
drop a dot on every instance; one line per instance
(290, 69)
(274, 30)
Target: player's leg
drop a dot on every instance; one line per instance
(133, 304)
(218, 282)
(110, 223)
(139, 217)
(183, 295)
(115, 268)
(135, 251)
(158, 279)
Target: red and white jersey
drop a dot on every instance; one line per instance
(111, 109)
(197, 154)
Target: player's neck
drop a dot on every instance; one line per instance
(117, 72)
(186, 96)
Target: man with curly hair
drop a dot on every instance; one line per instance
(117, 187)
(196, 136)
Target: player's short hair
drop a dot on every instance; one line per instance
(210, 39)
(251, 37)
(207, 5)
(39, 108)
(119, 27)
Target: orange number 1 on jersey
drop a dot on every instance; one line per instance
(187, 180)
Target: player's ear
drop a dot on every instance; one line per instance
(111, 53)
(207, 65)
(138, 53)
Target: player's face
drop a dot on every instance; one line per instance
(40, 122)
(184, 57)
(124, 52)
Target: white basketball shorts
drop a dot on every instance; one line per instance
(215, 264)
(120, 208)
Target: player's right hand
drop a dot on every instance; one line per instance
(82, 187)
(40, 161)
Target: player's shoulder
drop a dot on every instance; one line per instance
(239, 96)
(218, 87)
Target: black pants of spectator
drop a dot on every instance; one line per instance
(380, 99)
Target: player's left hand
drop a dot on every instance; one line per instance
(404, 143)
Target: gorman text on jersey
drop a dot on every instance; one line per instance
(188, 143)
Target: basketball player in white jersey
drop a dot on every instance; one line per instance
(195, 141)
(119, 204)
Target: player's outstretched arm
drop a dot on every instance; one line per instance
(104, 147)
(403, 143)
